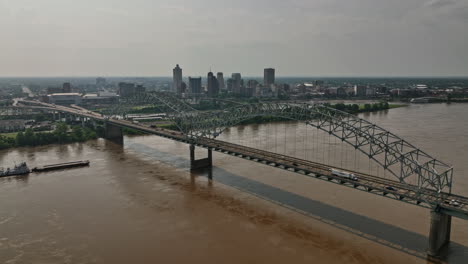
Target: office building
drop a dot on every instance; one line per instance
(126, 89)
(140, 89)
(183, 88)
(220, 78)
(229, 83)
(236, 83)
(212, 85)
(195, 85)
(252, 84)
(177, 79)
(66, 87)
(360, 90)
(268, 77)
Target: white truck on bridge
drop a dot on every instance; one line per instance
(344, 174)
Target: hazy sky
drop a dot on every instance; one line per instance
(297, 37)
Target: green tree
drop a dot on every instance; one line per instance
(20, 141)
(78, 134)
(61, 132)
(29, 137)
(367, 107)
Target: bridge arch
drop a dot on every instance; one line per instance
(403, 160)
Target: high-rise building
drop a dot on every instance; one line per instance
(66, 88)
(252, 84)
(212, 85)
(236, 83)
(183, 87)
(195, 85)
(220, 78)
(140, 88)
(126, 89)
(177, 79)
(268, 77)
(229, 83)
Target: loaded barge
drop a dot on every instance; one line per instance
(60, 166)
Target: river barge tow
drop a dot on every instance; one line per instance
(61, 166)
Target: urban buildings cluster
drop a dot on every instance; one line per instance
(214, 85)
(101, 91)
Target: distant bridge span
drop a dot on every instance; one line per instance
(403, 160)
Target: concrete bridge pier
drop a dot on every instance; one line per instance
(200, 163)
(439, 235)
(114, 133)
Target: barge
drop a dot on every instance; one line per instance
(61, 166)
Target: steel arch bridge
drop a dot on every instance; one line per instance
(405, 162)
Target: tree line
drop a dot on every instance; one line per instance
(62, 134)
(355, 108)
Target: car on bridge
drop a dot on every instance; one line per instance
(453, 202)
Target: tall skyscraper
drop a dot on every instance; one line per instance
(177, 80)
(236, 83)
(220, 78)
(195, 85)
(268, 77)
(212, 85)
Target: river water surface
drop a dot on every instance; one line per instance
(140, 203)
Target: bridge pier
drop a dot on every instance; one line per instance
(200, 163)
(439, 234)
(114, 133)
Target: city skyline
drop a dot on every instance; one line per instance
(424, 38)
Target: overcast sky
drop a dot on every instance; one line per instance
(297, 37)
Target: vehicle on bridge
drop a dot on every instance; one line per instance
(344, 174)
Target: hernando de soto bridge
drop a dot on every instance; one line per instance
(416, 177)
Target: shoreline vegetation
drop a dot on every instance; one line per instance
(64, 133)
